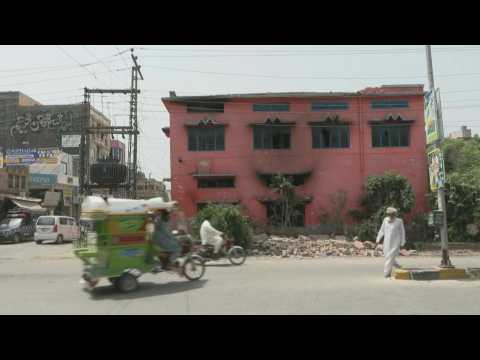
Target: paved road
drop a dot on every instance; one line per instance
(44, 279)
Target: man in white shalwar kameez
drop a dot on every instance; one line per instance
(393, 232)
(211, 236)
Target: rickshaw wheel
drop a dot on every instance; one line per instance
(193, 268)
(126, 283)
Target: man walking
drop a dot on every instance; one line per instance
(393, 232)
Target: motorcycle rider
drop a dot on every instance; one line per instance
(163, 240)
(211, 236)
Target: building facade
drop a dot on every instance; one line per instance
(148, 188)
(46, 138)
(14, 180)
(227, 148)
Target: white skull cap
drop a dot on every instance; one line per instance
(391, 211)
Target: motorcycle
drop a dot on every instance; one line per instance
(235, 254)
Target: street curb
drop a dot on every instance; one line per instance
(437, 274)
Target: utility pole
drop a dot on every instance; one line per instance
(134, 125)
(131, 130)
(442, 205)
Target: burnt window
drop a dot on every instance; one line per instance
(324, 137)
(388, 104)
(206, 138)
(295, 179)
(204, 183)
(390, 135)
(271, 137)
(336, 105)
(205, 107)
(11, 181)
(22, 183)
(275, 107)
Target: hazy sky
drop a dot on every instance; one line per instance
(57, 75)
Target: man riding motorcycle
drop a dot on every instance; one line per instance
(211, 236)
(163, 240)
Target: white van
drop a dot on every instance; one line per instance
(56, 228)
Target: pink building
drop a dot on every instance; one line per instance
(225, 148)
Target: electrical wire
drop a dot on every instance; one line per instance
(307, 77)
(303, 52)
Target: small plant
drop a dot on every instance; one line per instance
(286, 212)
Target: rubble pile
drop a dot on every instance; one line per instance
(310, 246)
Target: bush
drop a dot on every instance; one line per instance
(226, 218)
(463, 206)
(381, 191)
(386, 190)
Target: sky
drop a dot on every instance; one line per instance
(57, 75)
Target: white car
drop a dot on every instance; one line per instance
(56, 228)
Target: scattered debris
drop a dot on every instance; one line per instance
(310, 246)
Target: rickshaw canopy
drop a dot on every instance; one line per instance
(97, 206)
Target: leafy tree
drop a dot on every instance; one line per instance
(462, 164)
(226, 218)
(382, 191)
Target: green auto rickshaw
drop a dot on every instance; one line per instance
(114, 243)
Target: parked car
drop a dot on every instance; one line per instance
(56, 228)
(16, 228)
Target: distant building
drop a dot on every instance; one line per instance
(463, 133)
(148, 188)
(46, 137)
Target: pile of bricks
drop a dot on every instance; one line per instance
(310, 246)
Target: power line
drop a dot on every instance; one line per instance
(53, 79)
(303, 52)
(103, 63)
(79, 64)
(307, 77)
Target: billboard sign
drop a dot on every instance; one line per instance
(19, 157)
(436, 169)
(431, 117)
(47, 155)
(29, 156)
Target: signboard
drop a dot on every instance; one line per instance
(71, 141)
(51, 199)
(42, 180)
(29, 156)
(431, 117)
(436, 169)
(47, 156)
(435, 218)
(19, 157)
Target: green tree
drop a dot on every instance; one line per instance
(226, 218)
(462, 165)
(382, 191)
